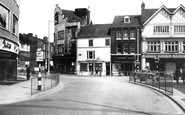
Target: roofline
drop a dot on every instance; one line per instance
(180, 6)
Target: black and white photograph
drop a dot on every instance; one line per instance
(92, 57)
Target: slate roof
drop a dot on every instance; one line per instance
(147, 13)
(96, 30)
(119, 21)
(70, 15)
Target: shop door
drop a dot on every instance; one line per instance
(170, 67)
(91, 68)
(107, 68)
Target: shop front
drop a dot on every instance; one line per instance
(8, 59)
(123, 64)
(166, 62)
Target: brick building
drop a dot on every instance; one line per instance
(9, 37)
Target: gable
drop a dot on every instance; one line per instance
(179, 16)
(162, 16)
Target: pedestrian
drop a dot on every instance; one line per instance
(28, 73)
(177, 75)
(183, 75)
(119, 72)
(96, 71)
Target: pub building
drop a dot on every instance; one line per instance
(163, 38)
(125, 44)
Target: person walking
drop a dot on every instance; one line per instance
(28, 73)
(183, 75)
(177, 75)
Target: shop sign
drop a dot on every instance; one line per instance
(172, 56)
(122, 58)
(8, 46)
(40, 55)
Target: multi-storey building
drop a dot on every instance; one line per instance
(93, 50)
(163, 38)
(125, 44)
(67, 25)
(9, 37)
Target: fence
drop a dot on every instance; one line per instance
(159, 80)
(47, 82)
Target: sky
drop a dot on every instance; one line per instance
(35, 14)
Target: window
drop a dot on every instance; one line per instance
(133, 48)
(161, 29)
(73, 31)
(56, 18)
(4, 17)
(125, 48)
(118, 35)
(61, 49)
(179, 29)
(125, 34)
(107, 42)
(83, 66)
(90, 42)
(126, 19)
(119, 48)
(90, 54)
(154, 46)
(171, 46)
(15, 25)
(184, 46)
(133, 34)
(61, 34)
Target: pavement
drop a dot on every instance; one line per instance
(20, 90)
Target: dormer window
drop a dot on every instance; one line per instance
(126, 19)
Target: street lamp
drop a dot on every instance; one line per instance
(157, 62)
(49, 49)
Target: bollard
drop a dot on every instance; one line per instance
(39, 78)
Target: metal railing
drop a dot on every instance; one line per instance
(159, 80)
(47, 82)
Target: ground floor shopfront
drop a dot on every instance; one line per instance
(8, 65)
(165, 62)
(124, 64)
(64, 64)
(93, 67)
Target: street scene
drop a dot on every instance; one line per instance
(95, 96)
(92, 57)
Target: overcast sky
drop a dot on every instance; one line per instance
(34, 14)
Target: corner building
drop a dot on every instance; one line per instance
(9, 37)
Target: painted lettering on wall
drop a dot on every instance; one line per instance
(8, 46)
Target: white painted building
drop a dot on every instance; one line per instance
(163, 38)
(93, 50)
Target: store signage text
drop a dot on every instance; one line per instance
(8, 46)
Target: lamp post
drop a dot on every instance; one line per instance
(49, 53)
(157, 62)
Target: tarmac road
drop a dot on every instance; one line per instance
(95, 96)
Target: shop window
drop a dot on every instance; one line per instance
(15, 25)
(90, 54)
(83, 66)
(4, 17)
(171, 46)
(90, 42)
(125, 48)
(154, 46)
(133, 48)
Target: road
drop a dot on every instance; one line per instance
(95, 96)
